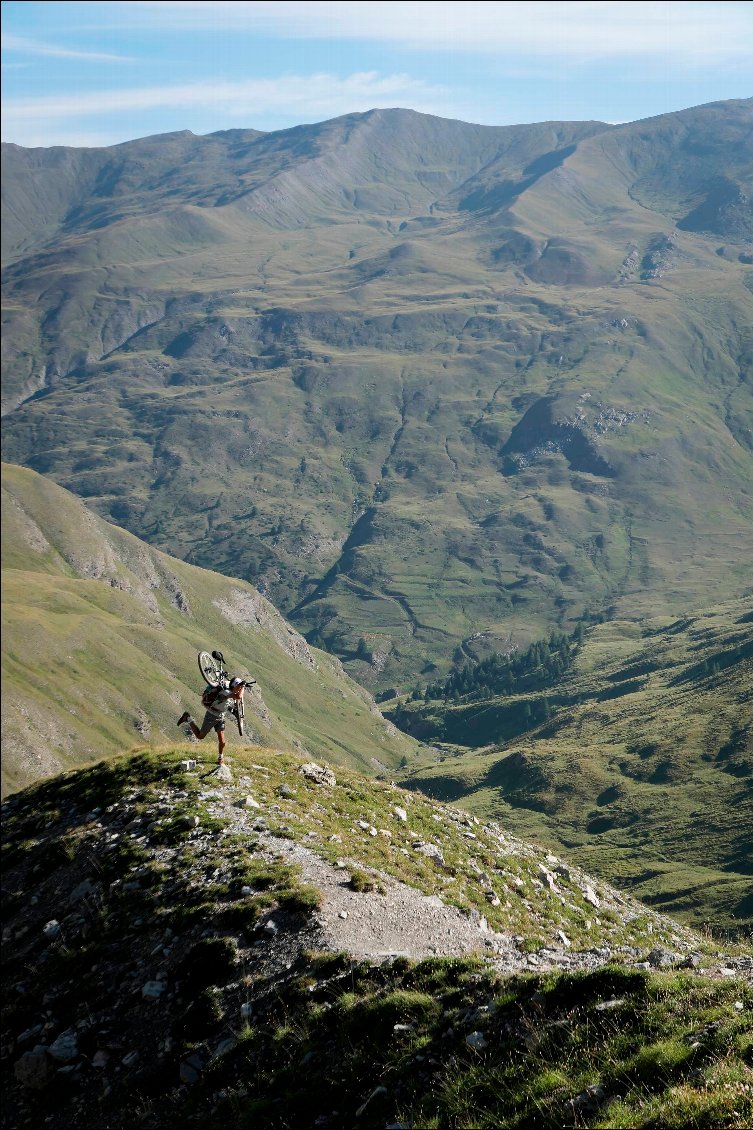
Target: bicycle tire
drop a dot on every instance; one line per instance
(210, 669)
(240, 711)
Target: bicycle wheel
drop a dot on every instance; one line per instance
(209, 668)
(239, 717)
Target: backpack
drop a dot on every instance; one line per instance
(209, 696)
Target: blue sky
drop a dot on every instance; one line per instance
(101, 73)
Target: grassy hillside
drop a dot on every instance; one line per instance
(431, 386)
(639, 759)
(210, 1004)
(100, 637)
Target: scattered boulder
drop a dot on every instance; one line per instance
(588, 1102)
(431, 851)
(84, 890)
(51, 929)
(662, 959)
(589, 894)
(548, 878)
(153, 990)
(318, 774)
(373, 1095)
(226, 1045)
(190, 1069)
(33, 1069)
(65, 1047)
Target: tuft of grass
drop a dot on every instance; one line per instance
(364, 883)
(303, 898)
(378, 1015)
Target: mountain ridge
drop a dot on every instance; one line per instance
(379, 353)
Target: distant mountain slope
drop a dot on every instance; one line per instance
(100, 637)
(431, 386)
(382, 163)
(639, 761)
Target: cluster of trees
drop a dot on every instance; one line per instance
(540, 665)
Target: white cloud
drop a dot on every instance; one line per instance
(42, 137)
(302, 97)
(700, 32)
(21, 45)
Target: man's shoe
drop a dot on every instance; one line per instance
(183, 718)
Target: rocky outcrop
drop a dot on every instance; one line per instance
(662, 255)
(553, 425)
(251, 610)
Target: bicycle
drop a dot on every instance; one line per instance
(212, 667)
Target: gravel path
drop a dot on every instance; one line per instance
(399, 922)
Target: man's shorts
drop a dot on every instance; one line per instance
(213, 722)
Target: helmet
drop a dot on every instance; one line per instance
(235, 683)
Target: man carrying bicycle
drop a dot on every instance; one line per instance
(217, 700)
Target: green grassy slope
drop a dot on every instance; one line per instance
(460, 383)
(203, 1014)
(100, 636)
(639, 760)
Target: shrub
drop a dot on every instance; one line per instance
(202, 1015)
(362, 882)
(302, 898)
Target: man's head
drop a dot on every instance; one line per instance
(236, 686)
